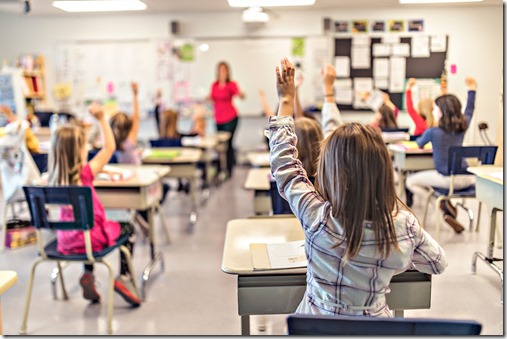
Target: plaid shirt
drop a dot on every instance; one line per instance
(356, 287)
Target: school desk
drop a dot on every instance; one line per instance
(409, 159)
(280, 291)
(258, 159)
(489, 190)
(7, 280)
(183, 162)
(257, 180)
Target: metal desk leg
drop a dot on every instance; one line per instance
(245, 325)
(193, 212)
(163, 223)
(401, 182)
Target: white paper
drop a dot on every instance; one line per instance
(397, 74)
(381, 83)
(421, 46)
(343, 96)
(438, 43)
(361, 40)
(381, 50)
(287, 255)
(391, 39)
(342, 66)
(361, 85)
(360, 57)
(343, 83)
(375, 100)
(380, 68)
(400, 50)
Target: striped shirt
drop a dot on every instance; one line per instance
(358, 286)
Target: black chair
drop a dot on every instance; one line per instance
(93, 152)
(403, 129)
(48, 201)
(299, 324)
(278, 204)
(458, 164)
(41, 161)
(168, 142)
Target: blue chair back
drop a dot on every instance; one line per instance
(41, 161)
(404, 129)
(299, 324)
(79, 198)
(168, 142)
(93, 152)
(278, 204)
(457, 155)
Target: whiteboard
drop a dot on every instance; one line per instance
(252, 64)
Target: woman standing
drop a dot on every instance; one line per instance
(226, 116)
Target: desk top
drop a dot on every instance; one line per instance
(392, 137)
(489, 172)
(399, 148)
(240, 233)
(258, 159)
(258, 179)
(7, 280)
(206, 142)
(185, 156)
(143, 176)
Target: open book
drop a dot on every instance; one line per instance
(278, 256)
(113, 173)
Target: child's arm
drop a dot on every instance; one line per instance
(291, 178)
(472, 87)
(390, 104)
(331, 117)
(428, 256)
(265, 106)
(425, 138)
(419, 121)
(104, 155)
(135, 115)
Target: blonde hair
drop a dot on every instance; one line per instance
(64, 159)
(168, 124)
(425, 109)
(121, 124)
(355, 175)
(309, 134)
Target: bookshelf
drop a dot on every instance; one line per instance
(33, 84)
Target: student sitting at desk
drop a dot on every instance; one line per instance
(358, 233)
(452, 125)
(67, 166)
(423, 117)
(385, 110)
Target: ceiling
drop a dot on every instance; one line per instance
(43, 7)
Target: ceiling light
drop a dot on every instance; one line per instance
(434, 1)
(269, 3)
(254, 14)
(100, 5)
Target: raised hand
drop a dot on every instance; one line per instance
(328, 74)
(135, 87)
(411, 83)
(285, 87)
(471, 83)
(96, 110)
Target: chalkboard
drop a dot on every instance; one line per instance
(430, 67)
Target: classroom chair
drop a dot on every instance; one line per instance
(401, 129)
(458, 164)
(168, 142)
(278, 204)
(79, 198)
(41, 161)
(93, 152)
(302, 324)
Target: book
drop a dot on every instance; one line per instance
(278, 255)
(162, 154)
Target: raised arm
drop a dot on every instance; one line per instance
(331, 117)
(470, 107)
(135, 115)
(109, 146)
(419, 121)
(390, 104)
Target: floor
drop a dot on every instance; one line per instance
(192, 296)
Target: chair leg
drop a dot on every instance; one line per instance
(4, 228)
(163, 223)
(65, 296)
(110, 296)
(128, 256)
(437, 215)
(428, 198)
(22, 330)
(478, 217)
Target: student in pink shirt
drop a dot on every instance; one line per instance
(223, 90)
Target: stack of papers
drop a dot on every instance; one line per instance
(278, 256)
(112, 173)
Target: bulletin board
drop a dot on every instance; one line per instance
(416, 67)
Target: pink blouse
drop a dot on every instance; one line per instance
(222, 98)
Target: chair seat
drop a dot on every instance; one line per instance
(464, 192)
(52, 252)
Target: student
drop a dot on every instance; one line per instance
(358, 233)
(452, 125)
(386, 112)
(298, 108)
(32, 143)
(423, 117)
(67, 166)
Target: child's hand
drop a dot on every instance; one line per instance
(135, 87)
(411, 83)
(96, 110)
(471, 83)
(285, 86)
(328, 74)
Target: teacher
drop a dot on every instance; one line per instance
(226, 116)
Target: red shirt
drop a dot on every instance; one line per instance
(420, 124)
(222, 101)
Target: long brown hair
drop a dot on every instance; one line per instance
(452, 120)
(387, 120)
(64, 159)
(226, 65)
(169, 124)
(309, 134)
(121, 124)
(355, 175)
(425, 109)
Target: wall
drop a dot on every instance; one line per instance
(475, 39)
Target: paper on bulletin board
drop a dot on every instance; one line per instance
(342, 66)
(361, 40)
(400, 50)
(397, 74)
(391, 39)
(381, 83)
(380, 68)
(343, 91)
(421, 46)
(360, 57)
(380, 50)
(361, 85)
(438, 43)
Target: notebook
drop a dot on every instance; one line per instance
(278, 255)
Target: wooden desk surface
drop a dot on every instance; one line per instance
(485, 172)
(7, 280)
(186, 155)
(240, 233)
(258, 179)
(143, 176)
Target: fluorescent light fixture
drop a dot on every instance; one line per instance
(406, 2)
(100, 5)
(254, 14)
(269, 3)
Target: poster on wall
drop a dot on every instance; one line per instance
(396, 25)
(298, 47)
(416, 25)
(378, 26)
(359, 26)
(341, 26)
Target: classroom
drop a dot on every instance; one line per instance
(227, 181)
